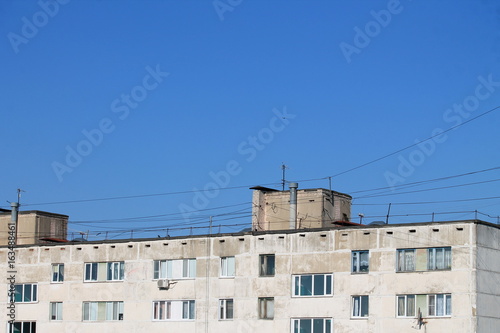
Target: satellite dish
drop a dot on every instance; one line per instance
(377, 223)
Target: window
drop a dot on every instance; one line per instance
(406, 260)
(98, 311)
(56, 311)
(360, 306)
(104, 271)
(26, 293)
(312, 325)
(266, 308)
(266, 264)
(227, 266)
(174, 269)
(57, 272)
(435, 305)
(115, 271)
(23, 327)
(173, 310)
(360, 261)
(424, 259)
(439, 305)
(225, 309)
(406, 306)
(439, 258)
(312, 285)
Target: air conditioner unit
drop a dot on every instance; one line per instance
(163, 284)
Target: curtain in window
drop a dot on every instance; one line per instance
(270, 308)
(401, 306)
(447, 258)
(432, 305)
(410, 305)
(409, 260)
(355, 261)
(356, 306)
(363, 261)
(439, 305)
(229, 305)
(401, 256)
(440, 259)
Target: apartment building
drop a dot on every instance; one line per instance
(429, 277)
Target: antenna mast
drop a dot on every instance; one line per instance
(283, 181)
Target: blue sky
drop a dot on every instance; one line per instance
(107, 99)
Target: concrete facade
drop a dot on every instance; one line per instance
(316, 208)
(33, 226)
(469, 285)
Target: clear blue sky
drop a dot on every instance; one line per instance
(105, 99)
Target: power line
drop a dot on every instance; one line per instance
(426, 181)
(412, 145)
(425, 202)
(429, 189)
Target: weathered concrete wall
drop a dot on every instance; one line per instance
(296, 253)
(33, 225)
(315, 209)
(487, 262)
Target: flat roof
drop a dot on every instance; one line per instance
(268, 232)
(37, 212)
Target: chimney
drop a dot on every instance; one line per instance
(293, 205)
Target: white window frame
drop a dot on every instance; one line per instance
(31, 329)
(227, 267)
(115, 271)
(265, 265)
(401, 260)
(297, 283)
(432, 260)
(93, 269)
(33, 292)
(357, 304)
(296, 323)
(445, 304)
(165, 310)
(226, 309)
(163, 269)
(57, 273)
(356, 261)
(266, 308)
(113, 311)
(55, 311)
(406, 305)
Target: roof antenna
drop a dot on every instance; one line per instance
(388, 213)
(19, 196)
(283, 168)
